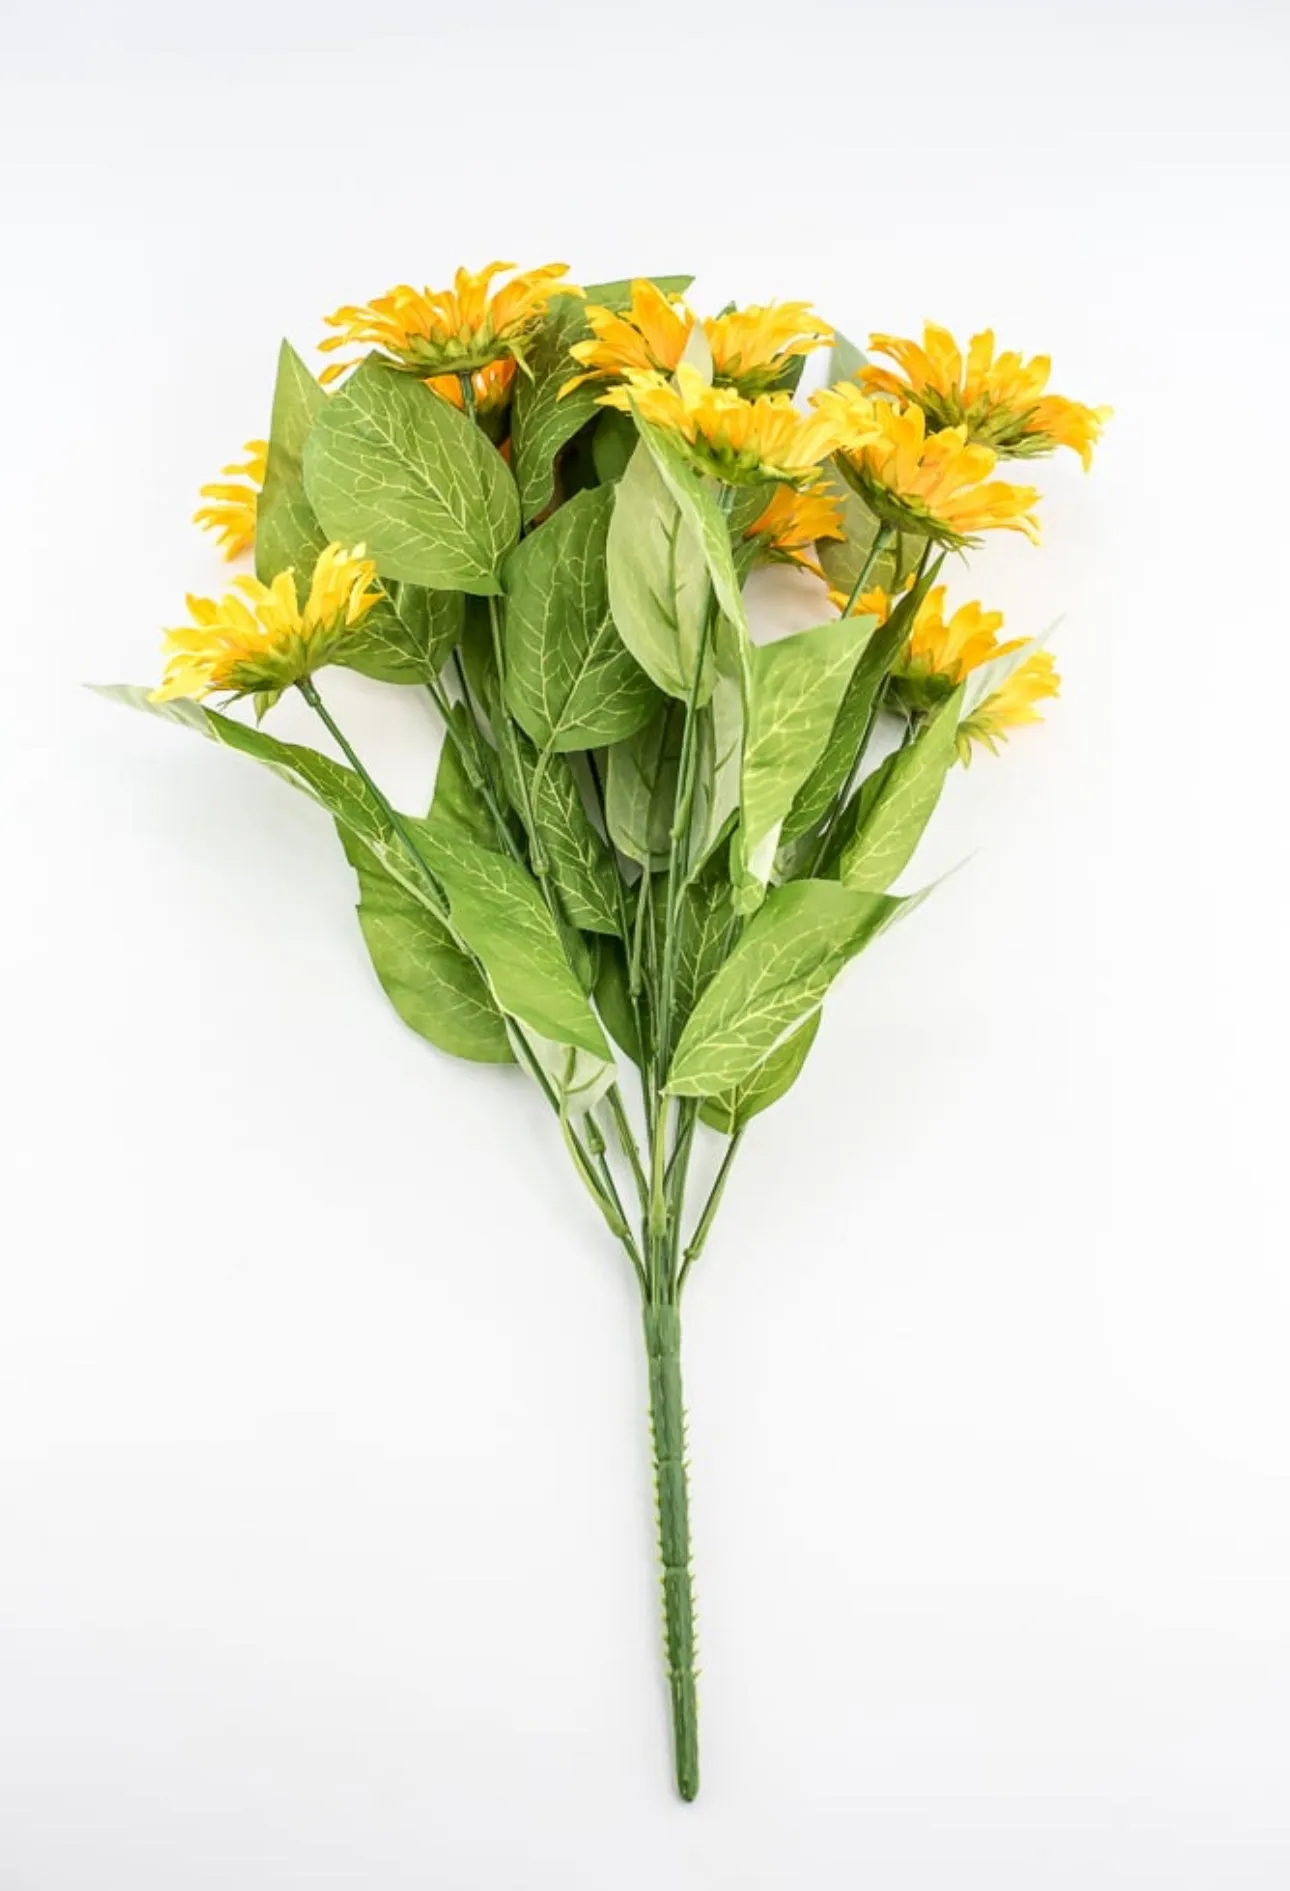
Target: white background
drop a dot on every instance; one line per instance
(323, 1480)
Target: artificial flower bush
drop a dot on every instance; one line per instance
(653, 843)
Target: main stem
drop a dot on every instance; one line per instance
(671, 1488)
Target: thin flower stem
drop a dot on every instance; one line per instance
(703, 1226)
(627, 1143)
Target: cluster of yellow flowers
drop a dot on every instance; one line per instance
(920, 446)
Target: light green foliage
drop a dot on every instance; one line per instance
(408, 637)
(795, 688)
(392, 466)
(571, 682)
(435, 987)
(659, 588)
(580, 865)
(890, 818)
(776, 977)
(287, 534)
(735, 1108)
(640, 788)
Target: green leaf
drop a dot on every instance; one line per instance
(287, 535)
(613, 998)
(542, 423)
(433, 985)
(618, 295)
(659, 591)
(845, 359)
(613, 441)
(497, 910)
(408, 637)
(858, 707)
(704, 928)
(571, 682)
(734, 1109)
(458, 807)
(795, 688)
(335, 787)
(640, 788)
(392, 466)
(774, 980)
(890, 819)
(581, 869)
(695, 497)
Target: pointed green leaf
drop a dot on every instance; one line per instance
(613, 998)
(795, 688)
(392, 466)
(640, 788)
(845, 359)
(435, 987)
(891, 818)
(579, 862)
(734, 1109)
(774, 980)
(659, 591)
(287, 535)
(408, 637)
(497, 910)
(571, 682)
(333, 786)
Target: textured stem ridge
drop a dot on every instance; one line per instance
(667, 1421)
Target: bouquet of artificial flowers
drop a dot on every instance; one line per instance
(653, 842)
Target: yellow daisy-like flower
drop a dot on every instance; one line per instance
(231, 513)
(739, 441)
(935, 484)
(787, 528)
(750, 347)
(1010, 706)
(449, 330)
(999, 399)
(259, 638)
(941, 650)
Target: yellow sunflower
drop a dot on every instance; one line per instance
(1000, 399)
(259, 638)
(788, 526)
(739, 441)
(750, 347)
(231, 513)
(453, 330)
(941, 650)
(935, 484)
(1010, 706)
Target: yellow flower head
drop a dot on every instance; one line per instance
(1010, 706)
(787, 528)
(740, 441)
(941, 650)
(999, 399)
(259, 639)
(750, 347)
(933, 483)
(449, 330)
(231, 513)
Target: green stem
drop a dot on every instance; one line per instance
(881, 540)
(703, 1226)
(667, 1425)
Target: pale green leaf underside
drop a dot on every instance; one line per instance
(795, 687)
(659, 589)
(392, 466)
